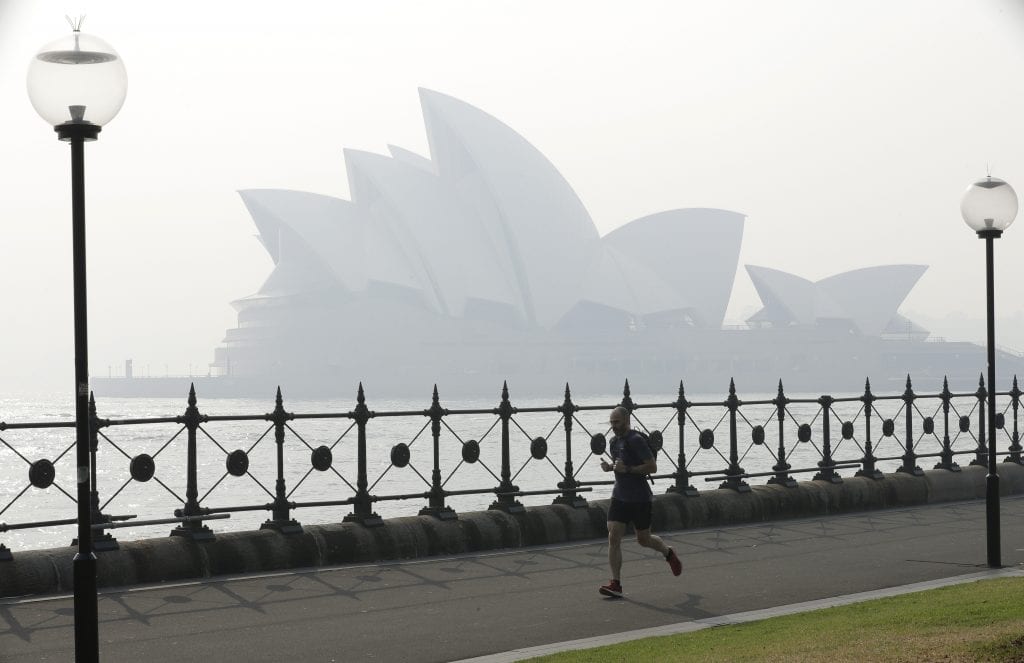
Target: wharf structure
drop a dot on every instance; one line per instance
(480, 264)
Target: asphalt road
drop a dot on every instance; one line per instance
(446, 609)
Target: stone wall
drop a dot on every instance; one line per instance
(175, 558)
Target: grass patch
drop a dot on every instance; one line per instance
(978, 621)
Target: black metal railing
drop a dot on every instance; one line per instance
(348, 464)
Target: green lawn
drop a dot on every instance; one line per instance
(978, 621)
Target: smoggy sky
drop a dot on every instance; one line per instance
(846, 131)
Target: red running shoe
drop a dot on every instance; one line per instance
(612, 589)
(673, 562)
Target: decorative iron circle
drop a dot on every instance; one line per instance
(888, 427)
(965, 424)
(656, 441)
(539, 448)
(471, 451)
(400, 454)
(847, 430)
(1000, 420)
(707, 438)
(757, 434)
(804, 433)
(928, 425)
(142, 468)
(41, 473)
(321, 458)
(237, 463)
(598, 444)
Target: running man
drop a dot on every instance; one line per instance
(632, 462)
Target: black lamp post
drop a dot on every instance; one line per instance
(989, 207)
(77, 84)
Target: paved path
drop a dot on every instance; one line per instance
(479, 605)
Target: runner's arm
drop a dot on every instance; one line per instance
(649, 466)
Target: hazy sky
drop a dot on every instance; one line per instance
(846, 131)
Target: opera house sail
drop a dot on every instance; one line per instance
(479, 264)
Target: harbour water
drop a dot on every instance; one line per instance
(401, 421)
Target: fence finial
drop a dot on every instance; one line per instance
(732, 387)
(504, 390)
(278, 400)
(567, 391)
(627, 402)
(192, 394)
(360, 396)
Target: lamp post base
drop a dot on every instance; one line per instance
(87, 637)
(992, 520)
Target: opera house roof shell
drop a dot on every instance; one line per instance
(866, 298)
(486, 231)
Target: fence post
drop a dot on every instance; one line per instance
(101, 541)
(781, 467)
(436, 505)
(682, 484)
(1015, 447)
(627, 401)
(981, 452)
(193, 529)
(946, 458)
(828, 472)
(735, 472)
(5, 552)
(909, 465)
(568, 485)
(867, 463)
(281, 520)
(362, 513)
(506, 501)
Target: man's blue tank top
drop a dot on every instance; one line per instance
(633, 451)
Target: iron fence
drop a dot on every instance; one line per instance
(344, 465)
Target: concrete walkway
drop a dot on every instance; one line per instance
(505, 606)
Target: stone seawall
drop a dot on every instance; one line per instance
(175, 558)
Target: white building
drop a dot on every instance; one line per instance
(481, 261)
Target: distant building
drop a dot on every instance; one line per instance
(480, 263)
(863, 301)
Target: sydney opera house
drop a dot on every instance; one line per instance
(480, 264)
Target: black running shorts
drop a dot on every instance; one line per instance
(638, 513)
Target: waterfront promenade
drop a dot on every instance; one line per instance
(452, 608)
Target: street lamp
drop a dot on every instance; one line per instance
(989, 207)
(77, 84)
